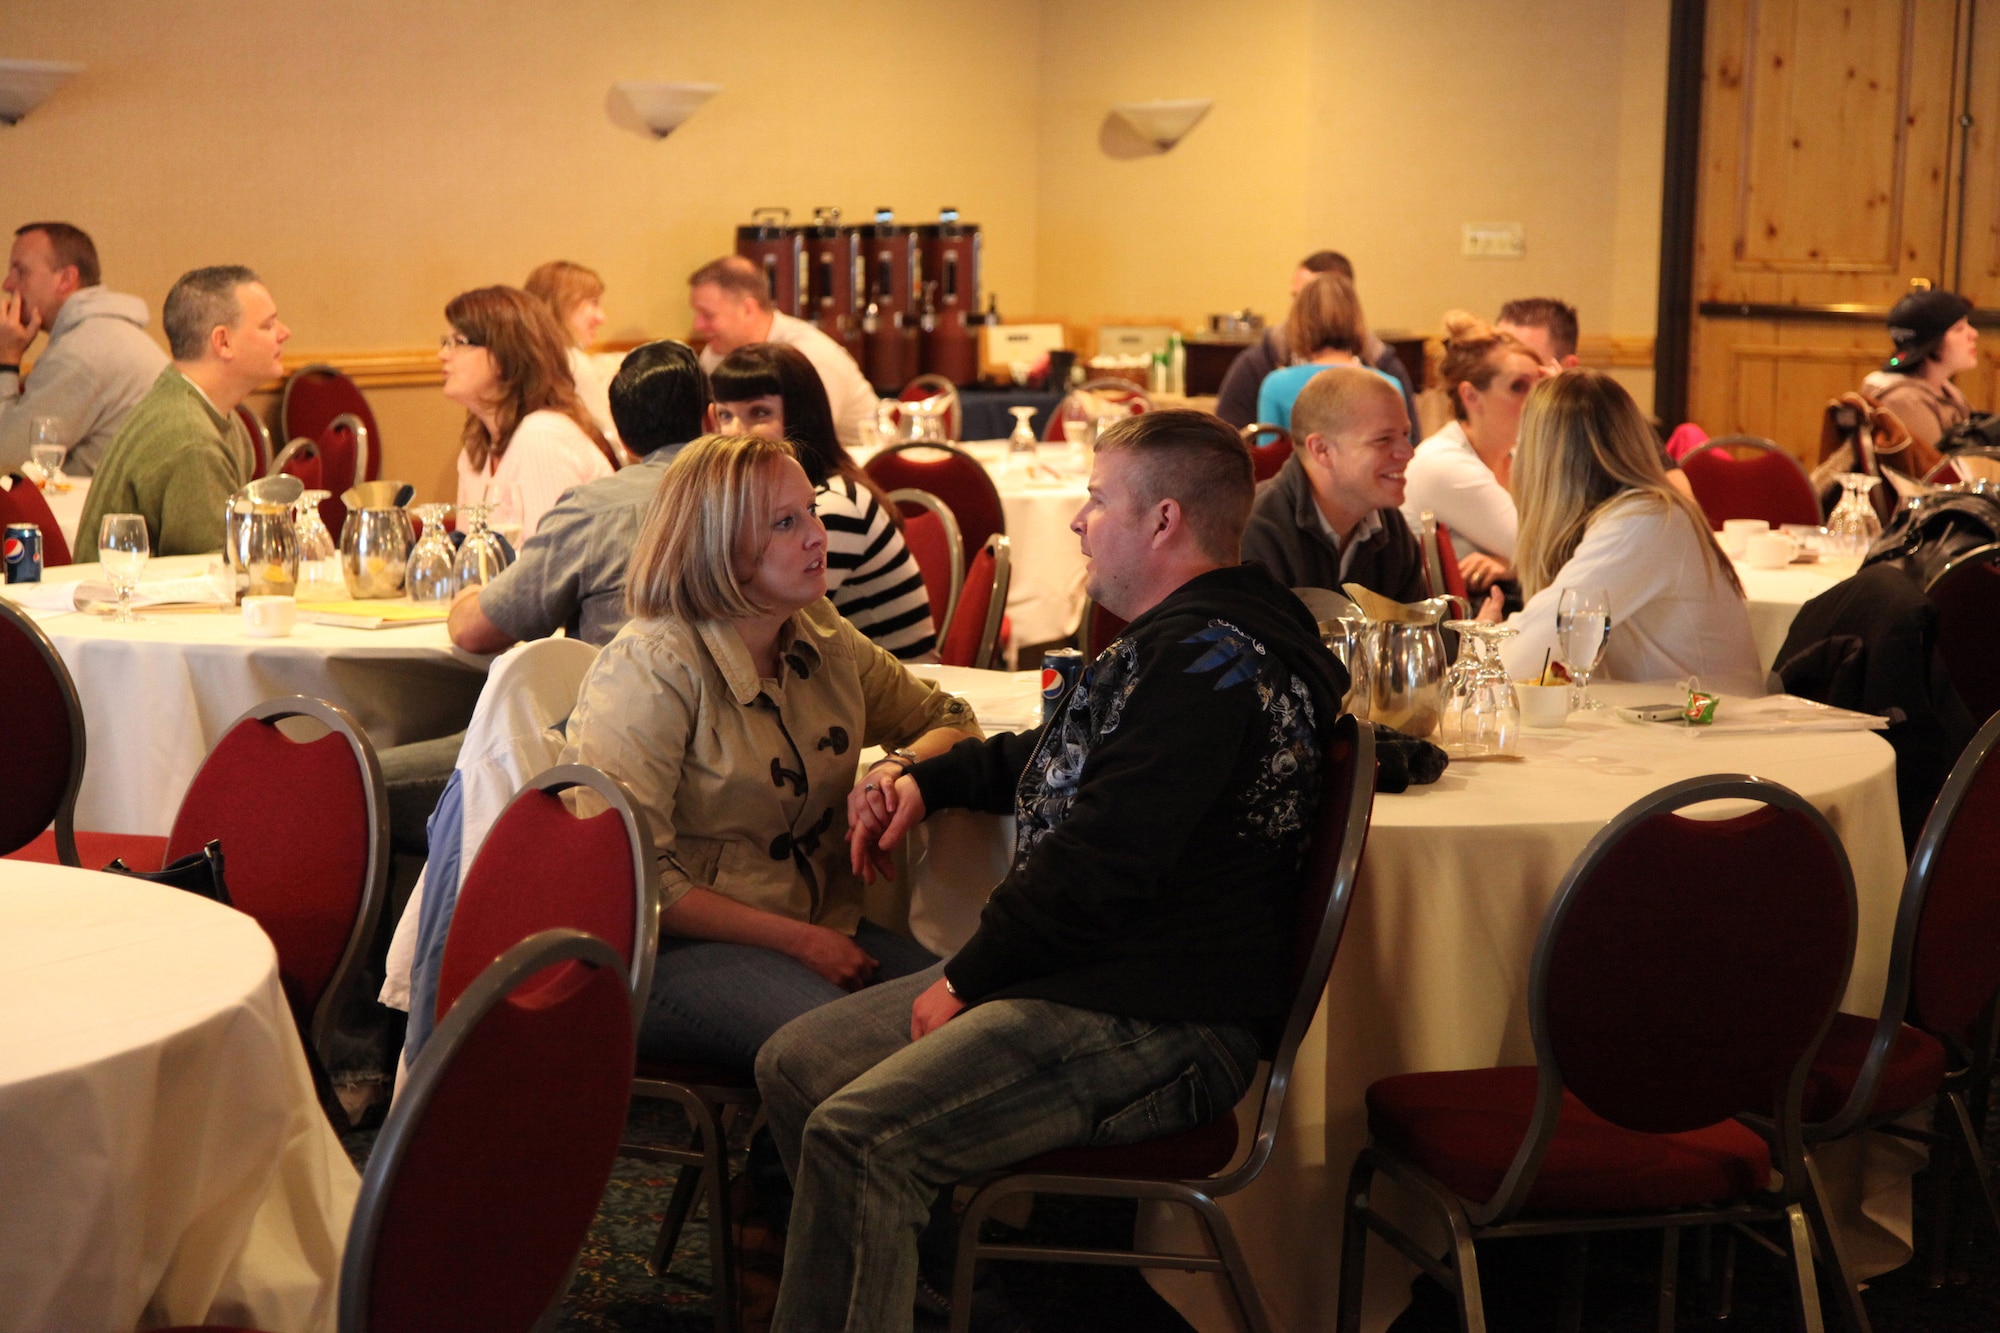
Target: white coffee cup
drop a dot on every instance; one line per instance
(266, 617)
(1543, 706)
(1736, 534)
(1770, 550)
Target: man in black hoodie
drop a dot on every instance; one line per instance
(1126, 970)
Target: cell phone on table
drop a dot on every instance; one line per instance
(1653, 712)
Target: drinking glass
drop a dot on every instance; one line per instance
(1852, 527)
(1023, 449)
(46, 448)
(482, 555)
(1456, 690)
(1583, 627)
(122, 548)
(1491, 720)
(320, 579)
(1077, 434)
(433, 571)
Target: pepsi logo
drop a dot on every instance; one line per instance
(1051, 680)
(15, 549)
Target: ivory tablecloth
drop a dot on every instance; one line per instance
(163, 1159)
(1433, 970)
(159, 693)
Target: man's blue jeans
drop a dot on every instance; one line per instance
(872, 1125)
(718, 1003)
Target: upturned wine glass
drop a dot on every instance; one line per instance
(433, 572)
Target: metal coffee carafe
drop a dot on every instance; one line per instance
(1403, 656)
(259, 544)
(375, 540)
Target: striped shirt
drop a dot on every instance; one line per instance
(871, 575)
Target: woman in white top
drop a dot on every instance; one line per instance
(1597, 511)
(575, 296)
(1461, 473)
(526, 431)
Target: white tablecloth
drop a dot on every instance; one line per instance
(1432, 972)
(162, 1157)
(158, 694)
(1774, 597)
(1046, 596)
(67, 506)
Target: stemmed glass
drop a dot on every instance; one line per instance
(1023, 449)
(1852, 527)
(46, 448)
(1491, 720)
(1455, 691)
(122, 549)
(433, 570)
(320, 579)
(482, 555)
(1583, 627)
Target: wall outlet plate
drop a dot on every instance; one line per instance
(1495, 240)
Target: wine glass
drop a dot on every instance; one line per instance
(320, 579)
(433, 571)
(46, 448)
(482, 555)
(1491, 720)
(1852, 527)
(122, 548)
(1456, 689)
(1583, 627)
(1023, 449)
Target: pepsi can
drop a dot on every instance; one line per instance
(1060, 667)
(23, 544)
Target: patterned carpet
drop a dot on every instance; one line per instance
(614, 1292)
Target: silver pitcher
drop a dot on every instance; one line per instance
(1403, 657)
(259, 543)
(375, 540)
(919, 421)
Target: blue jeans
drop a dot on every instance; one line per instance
(872, 1125)
(719, 1003)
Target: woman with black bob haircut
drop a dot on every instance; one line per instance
(773, 392)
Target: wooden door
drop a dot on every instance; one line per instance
(1827, 164)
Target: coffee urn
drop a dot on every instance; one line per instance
(776, 249)
(833, 262)
(891, 294)
(951, 314)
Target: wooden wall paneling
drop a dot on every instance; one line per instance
(1975, 270)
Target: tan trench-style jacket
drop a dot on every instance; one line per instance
(745, 780)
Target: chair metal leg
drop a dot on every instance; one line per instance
(721, 1239)
(1670, 1276)
(1722, 1291)
(1939, 1181)
(1576, 1263)
(687, 1188)
(1807, 1292)
(1826, 1235)
(1222, 1238)
(965, 1267)
(1465, 1259)
(1354, 1244)
(1975, 1157)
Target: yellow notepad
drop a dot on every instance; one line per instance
(371, 613)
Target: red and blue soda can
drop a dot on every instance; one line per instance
(23, 545)
(1060, 667)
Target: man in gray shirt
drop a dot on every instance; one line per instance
(570, 574)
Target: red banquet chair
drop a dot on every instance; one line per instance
(1188, 1168)
(1269, 446)
(21, 501)
(1096, 398)
(936, 391)
(42, 745)
(314, 398)
(953, 476)
(1096, 629)
(1684, 976)
(1966, 593)
(260, 441)
(931, 533)
(484, 1181)
(972, 638)
(1769, 485)
(314, 884)
(1441, 572)
(341, 455)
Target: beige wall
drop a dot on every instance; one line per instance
(378, 157)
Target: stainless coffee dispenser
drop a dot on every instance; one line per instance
(949, 341)
(833, 262)
(894, 281)
(776, 249)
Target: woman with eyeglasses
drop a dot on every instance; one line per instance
(526, 429)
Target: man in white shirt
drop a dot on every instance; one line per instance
(732, 308)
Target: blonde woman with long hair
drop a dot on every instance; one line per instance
(1597, 511)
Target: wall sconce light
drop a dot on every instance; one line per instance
(657, 109)
(26, 84)
(1162, 124)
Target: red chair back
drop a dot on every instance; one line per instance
(314, 881)
(973, 636)
(1090, 400)
(260, 440)
(1689, 967)
(1454, 577)
(1953, 898)
(1966, 593)
(23, 502)
(953, 476)
(543, 868)
(931, 533)
(1100, 628)
(314, 397)
(41, 746)
(1769, 485)
(1269, 445)
(490, 1168)
(340, 456)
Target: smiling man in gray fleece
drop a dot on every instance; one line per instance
(98, 362)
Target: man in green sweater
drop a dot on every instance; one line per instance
(182, 450)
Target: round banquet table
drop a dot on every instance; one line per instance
(159, 693)
(1774, 597)
(162, 1155)
(1045, 599)
(1433, 969)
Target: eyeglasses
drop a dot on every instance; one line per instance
(451, 342)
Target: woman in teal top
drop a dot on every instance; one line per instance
(1325, 328)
